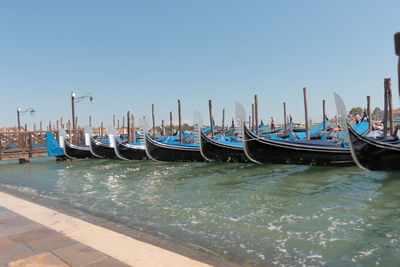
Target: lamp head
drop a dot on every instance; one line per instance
(32, 112)
(91, 99)
(73, 94)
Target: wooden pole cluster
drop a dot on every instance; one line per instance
(211, 118)
(306, 112)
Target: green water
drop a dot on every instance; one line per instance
(245, 213)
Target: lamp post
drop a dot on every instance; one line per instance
(74, 100)
(20, 113)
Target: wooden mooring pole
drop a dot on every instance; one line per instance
(397, 49)
(154, 121)
(323, 114)
(385, 110)
(252, 117)
(306, 112)
(211, 117)
(223, 121)
(128, 122)
(256, 112)
(180, 121)
(284, 115)
(170, 123)
(369, 113)
(388, 84)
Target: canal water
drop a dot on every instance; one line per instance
(244, 213)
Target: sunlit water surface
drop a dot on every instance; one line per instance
(245, 213)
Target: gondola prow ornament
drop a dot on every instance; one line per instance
(397, 49)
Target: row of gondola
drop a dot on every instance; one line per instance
(368, 153)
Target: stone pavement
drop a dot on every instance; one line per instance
(33, 235)
(26, 243)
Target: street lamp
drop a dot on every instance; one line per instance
(19, 113)
(74, 100)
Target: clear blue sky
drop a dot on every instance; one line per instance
(130, 54)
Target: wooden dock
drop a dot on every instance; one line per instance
(23, 145)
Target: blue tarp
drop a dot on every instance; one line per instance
(361, 127)
(320, 127)
(53, 149)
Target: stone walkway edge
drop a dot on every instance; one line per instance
(123, 248)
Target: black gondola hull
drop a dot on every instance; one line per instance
(101, 150)
(129, 152)
(374, 155)
(269, 151)
(164, 152)
(218, 152)
(77, 152)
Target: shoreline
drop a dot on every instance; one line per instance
(149, 250)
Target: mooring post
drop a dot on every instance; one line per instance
(284, 115)
(40, 126)
(18, 119)
(119, 130)
(73, 109)
(61, 123)
(128, 121)
(180, 121)
(385, 110)
(133, 128)
(154, 121)
(388, 84)
(34, 127)
(90, 121)
(397, 50)
(57, 126)
(323, 114)
(170, 123)
(223, 121)
(306, 112)
(369, 113)
(252, 117)
(101, 130)
(114, 120)
(123, 124)
(162, 128)
(256, 112)
(211, 117)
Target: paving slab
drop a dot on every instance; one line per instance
(107, 263)
(17, 251)
(50, 243)
(43, 259)
(79, 254)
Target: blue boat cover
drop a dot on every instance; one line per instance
(320, 127)
(361, 127)
(53, 149)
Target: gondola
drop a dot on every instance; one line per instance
(374, 155)
(300, 152)
(102, 150)
(368, 153)
(129, 151)
(216, 151)
(172, 152)
(77, 151)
